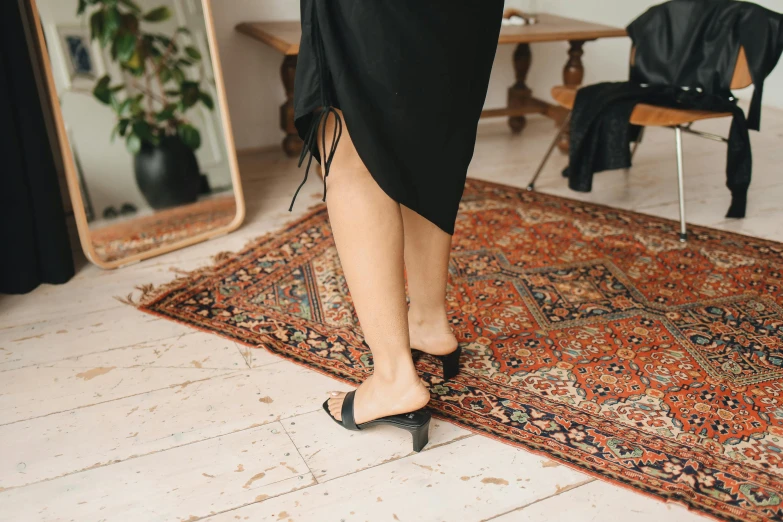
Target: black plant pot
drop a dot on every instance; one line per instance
(168, 175)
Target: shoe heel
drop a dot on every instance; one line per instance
(421, 436)
(450, 363)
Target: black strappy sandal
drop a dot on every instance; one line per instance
(450, 361)
(416, 422)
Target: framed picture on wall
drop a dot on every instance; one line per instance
(82, 61)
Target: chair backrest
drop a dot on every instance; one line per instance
(741, 78)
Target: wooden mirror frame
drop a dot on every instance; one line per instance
(69, 164)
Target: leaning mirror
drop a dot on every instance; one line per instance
(141, 116)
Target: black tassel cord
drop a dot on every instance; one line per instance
(319, 121)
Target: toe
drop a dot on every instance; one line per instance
(335, 406)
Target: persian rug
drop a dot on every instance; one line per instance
(140, 234)
(590, 335)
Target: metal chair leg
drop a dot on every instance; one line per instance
(532, 185)
(681, 184)
(637, 142)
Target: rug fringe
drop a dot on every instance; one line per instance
(146, 291)
(128, 300)
(222, 256)
(151, 293)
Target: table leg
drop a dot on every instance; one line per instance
(519, 94)
(573, 74)
(292, 145)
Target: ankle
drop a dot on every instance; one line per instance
(396, 376)
(429, 318)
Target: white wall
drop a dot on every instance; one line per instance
(251, 70)
(255, 91)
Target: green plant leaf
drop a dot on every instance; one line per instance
(96, 25)
(190, 136)
(123, 126)
(190, 94)
(178, 75)
(111, 25)
(126, 46)
(130, 23)
(135, 63)
(207, 100)
(124, 106)
(165, 75)
(133, 143)
(82, 7)
(167, 113)
(193, 52)
(160, 14)
(144, 131)
(102, 91)
(183, 30)
(135, 106)
(162, 38)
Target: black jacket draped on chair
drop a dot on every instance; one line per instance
(681, 43)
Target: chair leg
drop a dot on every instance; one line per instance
(532, 185)
(637, 142)
(681, 184)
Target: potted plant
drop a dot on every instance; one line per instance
(151, 107)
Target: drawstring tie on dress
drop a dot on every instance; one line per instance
(319, 121)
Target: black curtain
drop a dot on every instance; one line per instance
(34, 245)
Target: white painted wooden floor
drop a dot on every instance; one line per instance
(107, 413)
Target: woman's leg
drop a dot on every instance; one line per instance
(368, 231)
(427, 249)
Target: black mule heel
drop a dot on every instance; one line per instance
(417, 423)
(450, 362)
(421, 436)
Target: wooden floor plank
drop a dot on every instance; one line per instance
(155, 421)
(470, 480)
(185, 483)
(38, 391)
(193, 349)
(600, 501)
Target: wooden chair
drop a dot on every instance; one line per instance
(646, 115)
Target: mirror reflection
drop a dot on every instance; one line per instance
(144, 121)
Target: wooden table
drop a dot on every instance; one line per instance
(285, 36)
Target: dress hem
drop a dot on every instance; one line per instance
(387, 190)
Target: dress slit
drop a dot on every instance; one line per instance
(310, 146)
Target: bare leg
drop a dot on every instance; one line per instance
(427, 249)
(368, 232)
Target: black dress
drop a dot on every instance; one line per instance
(410, 77)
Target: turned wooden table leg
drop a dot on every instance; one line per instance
(573, 75)
(292, 145)
(519, 93)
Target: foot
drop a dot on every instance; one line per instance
(377, 398)
(432, 337)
